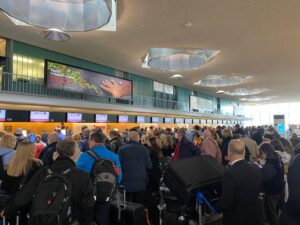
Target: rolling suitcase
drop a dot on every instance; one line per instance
(188, 176)
(126, 213)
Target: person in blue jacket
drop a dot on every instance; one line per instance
(31, 136)
(86, 162)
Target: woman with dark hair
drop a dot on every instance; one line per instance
(283, 153)
(116, 141)
(295, 140)
(287, 146)
(273, 182)
(156, 156)
(168, 146)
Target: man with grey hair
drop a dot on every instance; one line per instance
(240, 188)
(134, 136)
(135, 162)
(185, 148)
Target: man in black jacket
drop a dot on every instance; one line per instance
(185, 148)
(240, 188)
(135, 161)
(82, 198)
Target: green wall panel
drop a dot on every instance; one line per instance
(183, 98)
(41, 53)
(141, 86)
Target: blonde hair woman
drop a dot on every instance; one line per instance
(7, 144)
(23, 164)
(19, 171)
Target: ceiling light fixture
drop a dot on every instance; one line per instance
(177, 59)
(257, 98)
(245, 91)
(54, 34)
(176, 76)
(220, 92)
(65, 15)
(222, 80)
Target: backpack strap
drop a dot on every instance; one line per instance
(96, 157)
(93, 154)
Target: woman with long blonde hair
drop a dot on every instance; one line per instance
(19, 171)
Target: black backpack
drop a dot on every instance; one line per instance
(51, 204)
(104, 175)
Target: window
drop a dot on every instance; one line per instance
(202, 105)
(163, 88)
(28, 68)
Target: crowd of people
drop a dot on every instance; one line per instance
(253, 190)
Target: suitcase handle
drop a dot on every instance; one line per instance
(201, 199)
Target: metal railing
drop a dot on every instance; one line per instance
(20, 84)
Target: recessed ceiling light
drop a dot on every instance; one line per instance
(66, 15)
(220, 92)
(176, 76)
(177, 59)
(222, 80)
(188, 24)
(245, 91)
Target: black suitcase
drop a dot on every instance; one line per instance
(186, 177)
(126, 213)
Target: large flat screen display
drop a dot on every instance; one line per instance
(74, 117)
(123, 119)
(203, 121)
(71, 78)
(169, 120)
(188, 121)
(196, 121)
(2, 115)
(38, 116)
(101, 118)
(156, 120)
(143, 119)
(140, 119)
(179, 120)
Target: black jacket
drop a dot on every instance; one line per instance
(10, 185)
(82, 191)
(115, 144)
(273, 177)
(47, 154)
(224, 149)
(240, 189)
(135, 161)
(188, 149)
(292, 207)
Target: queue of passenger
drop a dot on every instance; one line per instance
(258, 160)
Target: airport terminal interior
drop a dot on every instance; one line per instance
(138, 112)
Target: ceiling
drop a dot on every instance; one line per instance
(256, 38)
